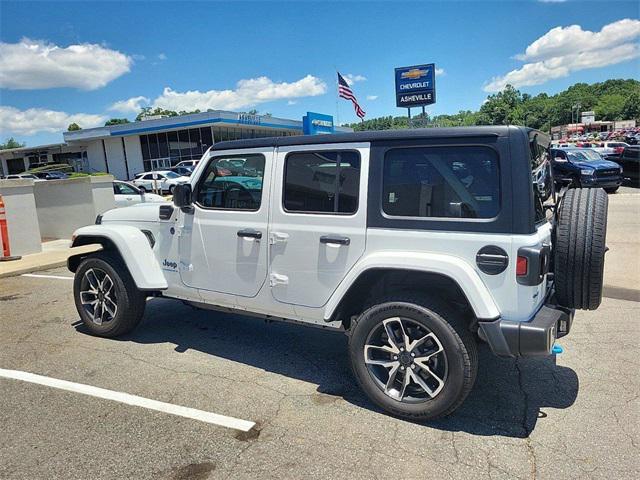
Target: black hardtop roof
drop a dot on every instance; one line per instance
(369, 136)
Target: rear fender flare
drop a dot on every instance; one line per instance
(455, 268)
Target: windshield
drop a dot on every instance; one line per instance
(171, 175)
(584, 155)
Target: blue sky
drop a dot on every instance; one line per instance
(137, 50)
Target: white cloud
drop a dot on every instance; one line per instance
(248, 93)
(351, 78)
(36, 120)
(563, 50)
(34, 64)
(561, 41)
(372, 97)
(132, 105)
(162, 56)
(292, 102)
(439, 72)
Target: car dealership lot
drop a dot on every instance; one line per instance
(575, 416)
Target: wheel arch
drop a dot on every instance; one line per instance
(130, 244)
(448, 277)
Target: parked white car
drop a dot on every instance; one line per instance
(22, 176)
(127, 194)
(160, 181)
(188, 163)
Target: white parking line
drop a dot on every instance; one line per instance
(55, 277)
(201, 415)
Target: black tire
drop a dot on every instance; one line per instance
(171, 187)
(580, 248)
(611, 190)
(130, 302)
(457, 342)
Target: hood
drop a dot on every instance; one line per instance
(595, 164)
(141, 212)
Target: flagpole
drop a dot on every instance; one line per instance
(337, 98)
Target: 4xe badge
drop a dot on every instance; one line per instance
(169, 265)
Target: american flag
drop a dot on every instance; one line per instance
(344, 91)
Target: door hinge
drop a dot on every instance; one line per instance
(278, 279)
(278, 237)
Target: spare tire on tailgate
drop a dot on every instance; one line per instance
(580, 247)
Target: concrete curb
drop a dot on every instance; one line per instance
(43, 261)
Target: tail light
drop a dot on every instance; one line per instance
(618, 149)
(522, 266)
(532, 264)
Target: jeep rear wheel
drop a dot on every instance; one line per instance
(580, 248)
(106, 296)
(413, 357)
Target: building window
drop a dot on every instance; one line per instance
(207, 138)
(453, 182)
(154, 151)
(163, 145)
(196, 144)
(174, 147)
(322, 182)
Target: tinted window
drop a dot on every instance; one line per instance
(124, 189)
(153, 145)
(322, 182)
(456, 182)
(233, 182)
(163, 145)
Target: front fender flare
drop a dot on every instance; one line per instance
(455, 268)
(134, 249)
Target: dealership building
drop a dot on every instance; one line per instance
(157, 142)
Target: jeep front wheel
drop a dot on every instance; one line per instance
(413, 357)
(106, 296)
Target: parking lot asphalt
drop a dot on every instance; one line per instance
(571, 416)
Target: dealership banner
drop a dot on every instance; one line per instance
(415, 85)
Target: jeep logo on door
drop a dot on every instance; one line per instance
(169, 265)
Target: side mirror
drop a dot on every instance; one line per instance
(182, 195)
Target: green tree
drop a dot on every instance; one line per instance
(116, 121)
(11, 143)
(611, 100)
(73, 127)
(610, 107)
(147, 112)
(631, 107)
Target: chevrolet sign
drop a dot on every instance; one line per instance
(415, 85)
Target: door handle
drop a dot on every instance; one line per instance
(335, 239)
(277, 237)
(250, 233)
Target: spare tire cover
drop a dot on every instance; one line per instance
(579, 248)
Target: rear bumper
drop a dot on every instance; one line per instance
(531, 338)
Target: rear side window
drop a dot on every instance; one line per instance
(322, 182)
(452, 182)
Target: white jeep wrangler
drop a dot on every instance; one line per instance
(416, 243)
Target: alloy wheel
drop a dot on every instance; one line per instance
(98, 296)
(406, 360)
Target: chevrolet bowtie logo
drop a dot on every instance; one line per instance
(414, 74)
